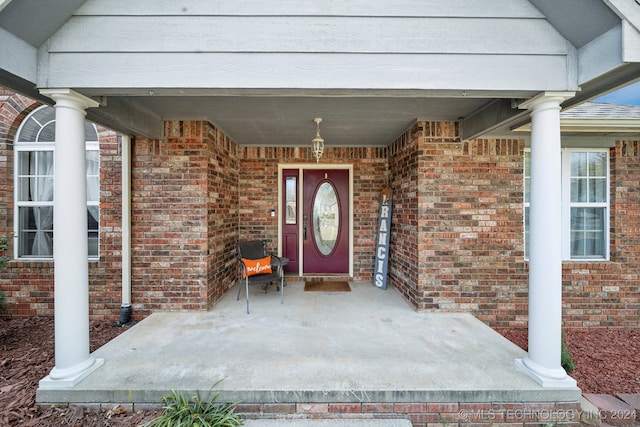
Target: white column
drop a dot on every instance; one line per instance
(70, 248)
(545, 244)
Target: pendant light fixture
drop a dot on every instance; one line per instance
(317, 143)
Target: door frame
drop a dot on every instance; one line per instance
(301, 167)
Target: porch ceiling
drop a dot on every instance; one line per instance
(361, 120)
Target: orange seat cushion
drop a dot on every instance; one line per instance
(256, 266)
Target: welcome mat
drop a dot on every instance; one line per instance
(326, 286)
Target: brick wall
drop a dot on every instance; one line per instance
(460, 225)
(222, 212)
(456, 242)
(403, 242)
(606, 294)
(371, 176)
(22, 297)
(424, 414)
(184, 218)
(457, 239)
(105, 276)
(13, 109)
(169, 220)
(28, 285)
(258, 188)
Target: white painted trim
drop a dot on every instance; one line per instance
(4, 3)
(566, 207)
(626, 10)
(301, 167)
(308, 71)
(126, 221)
(70, 98)
(546, 378)
(20, 146)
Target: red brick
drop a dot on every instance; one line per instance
(312, 408)
(341, 408)
(457, 238)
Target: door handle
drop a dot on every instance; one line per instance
(305, 217)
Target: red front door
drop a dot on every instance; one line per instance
(325, 221)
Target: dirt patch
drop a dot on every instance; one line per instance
(27, 356)
(607, 361)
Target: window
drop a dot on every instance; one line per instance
(292, 200)
(34, 175)
(585, 203)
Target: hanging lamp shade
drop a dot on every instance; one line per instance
(317, 143)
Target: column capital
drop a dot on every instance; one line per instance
(545, 97)
(70, 98)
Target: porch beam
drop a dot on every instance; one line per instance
(128, 117)
(497, 113)
(70, 247)
(543, 362)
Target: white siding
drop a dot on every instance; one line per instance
(314, 71)
(374, 44)
(309, 34)
(412, 8)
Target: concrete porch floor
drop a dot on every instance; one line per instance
(367, 345)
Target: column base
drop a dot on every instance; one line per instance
(545, 377)
(65, 378)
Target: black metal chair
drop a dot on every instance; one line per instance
(253, 273)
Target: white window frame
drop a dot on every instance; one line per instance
(28, 146)
(567, 205)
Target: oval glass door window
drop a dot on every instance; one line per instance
(326, 218)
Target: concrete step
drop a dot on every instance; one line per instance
(328, 423)
(612, 410)
(589, 413)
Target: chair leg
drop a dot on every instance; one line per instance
(247, 292)
(282, 289)
(239, 289)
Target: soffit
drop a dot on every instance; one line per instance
(34, 21)
(579, 21)
(288, 120)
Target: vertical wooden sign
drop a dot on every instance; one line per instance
(382, 240)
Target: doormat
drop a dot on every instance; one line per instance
(326, 286)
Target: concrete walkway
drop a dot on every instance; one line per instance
(367, 345)
(619, 410)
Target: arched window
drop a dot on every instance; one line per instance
(34, 194)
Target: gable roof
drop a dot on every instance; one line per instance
(601, 110)
(261, 72)
(601, 119)
(597, 119)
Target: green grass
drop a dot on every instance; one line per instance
(182, 411)
(565, 358)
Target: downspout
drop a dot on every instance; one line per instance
(125, 309)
